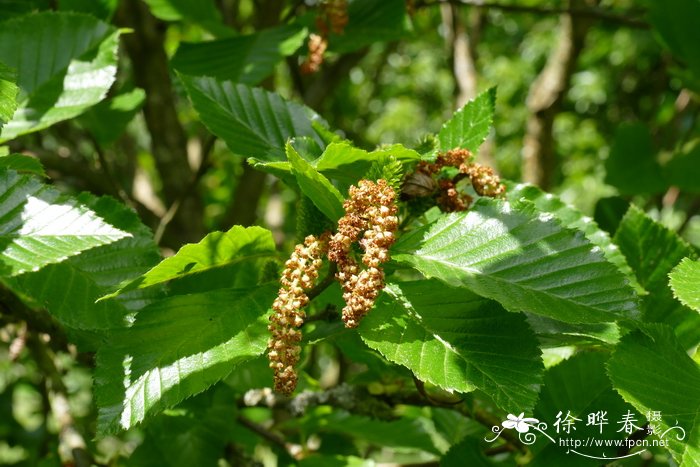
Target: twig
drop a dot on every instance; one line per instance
(196, 177)
(595, 13)
(324, 284)
(277, 440)
(72, 446)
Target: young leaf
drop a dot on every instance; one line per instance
(653, 372)
(318, 188)
(178, 347)
(653, 251)
(74, 66)
(8, 93)
(255, 58)
(574, 219)
(523, 259)
(251, 121)
(685, 282)
(458, 341)
(240, 251)
(38, 226)
(470, 125)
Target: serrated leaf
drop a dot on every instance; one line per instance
(458, 341)
(574, 219)
(22, 164)
(178, 347)
(232, 250)
(554, 333)
(108, 119)
(69, 290)
(195, 435)
(255, 57)
(579, 385)
(39, 226)
(653, 251)
(652, 371)
(73, 66)
(8, 93)
(685, 282)
(318, 188)
(523, 259)
(470, 125)
(251, 121)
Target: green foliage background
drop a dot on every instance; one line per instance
(159, 159)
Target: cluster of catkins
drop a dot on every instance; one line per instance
(370, 219)
(333, 16)
(370, 212)
(423, 181)
(300, 273)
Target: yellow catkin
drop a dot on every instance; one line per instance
(370, 218)
(300, 273)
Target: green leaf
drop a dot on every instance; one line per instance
(653, 251)
(457, 341)
(203, 11)
(685, 282)
(22, 164)
(108, 119)
(238, 252)
(8, 93)
(325, 196)
(194, 435)
(178, 347)
(553, 333)
(675, 24)
(73, 65)
(370, 22)
(68, 290)
(468, 452)
(251, 121)
(652, 371)
(580, 386)
(38, 226)
(574, 219)
(102, 9)
(631, 166)
(523, 259)
(470, 125)
(403, 433)
(683, 171)
(255, 57)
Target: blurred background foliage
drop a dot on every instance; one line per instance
(599, 93)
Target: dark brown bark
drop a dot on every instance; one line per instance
(168, 139)
(546, 96)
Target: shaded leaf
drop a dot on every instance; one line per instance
(39, 226)
(244, 59)
(457, 341)
(22, 164)
(175, 348)
(675, 24)
(685, 282)
(470, 125)
(73, 66)
(653, 251)
(631, 166)
(652, 371)
(108, 119)
(251, 121)
(523, 259)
